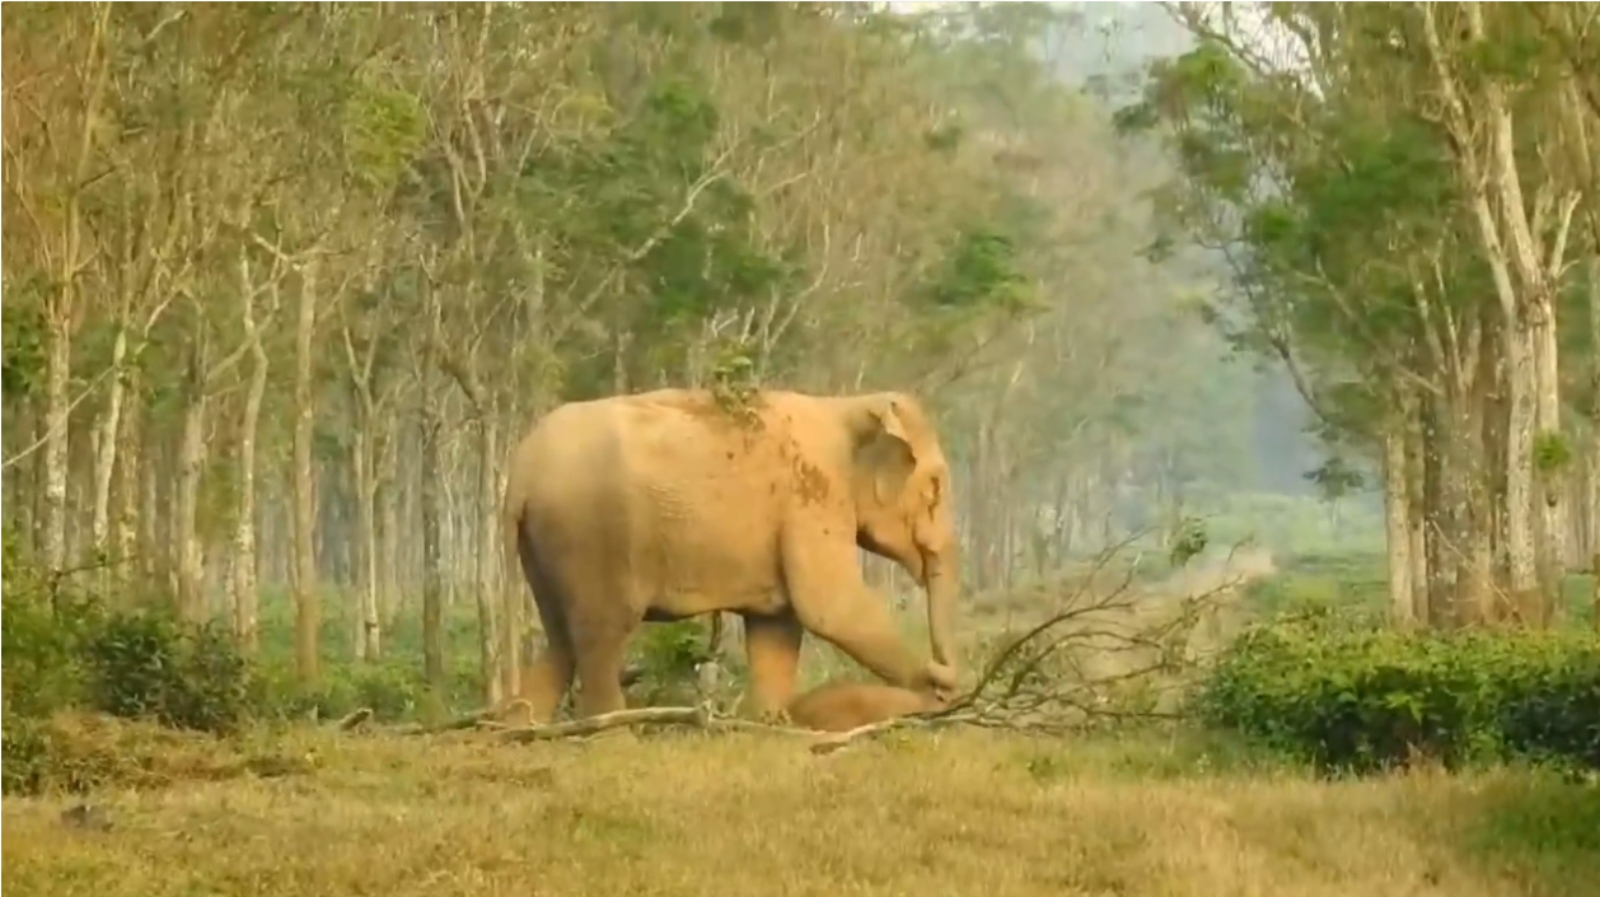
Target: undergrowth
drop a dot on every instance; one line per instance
(1347, 695)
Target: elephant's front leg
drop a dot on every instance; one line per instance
(772, 648)
(831, 601)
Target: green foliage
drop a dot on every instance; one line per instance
(42, 632)
(1188, 541)
(671, 651)
(1335, 478)
(24, 334)
(668, 655)
(1552, 453)
(393, 689)
(63, 651)
(1349, 582)
(1348, 696)
(982, 268)
(1544, 823)
(384, 130)
(151, 665)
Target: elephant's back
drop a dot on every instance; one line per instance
(564, 458)
(667, 489)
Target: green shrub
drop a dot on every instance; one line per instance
(666, 654)
(392, 690)
(151, 665)
(43, 628)
(1355, 697)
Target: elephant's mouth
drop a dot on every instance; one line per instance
(911, 561)
(865, 542)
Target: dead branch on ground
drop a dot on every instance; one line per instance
(1042, 680)
(1039, 681)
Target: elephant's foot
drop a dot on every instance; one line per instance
(513, 712)
(774, 717)
(937, 678)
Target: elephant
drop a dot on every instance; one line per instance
(675, 503)
(842, 706)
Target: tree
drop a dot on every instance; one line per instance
(1287, 169)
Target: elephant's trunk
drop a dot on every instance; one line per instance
(943, 578)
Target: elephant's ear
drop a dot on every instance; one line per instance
(887, 455)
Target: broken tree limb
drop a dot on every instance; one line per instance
(355, 720)
(693, 716)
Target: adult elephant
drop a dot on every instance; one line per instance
(670, 504)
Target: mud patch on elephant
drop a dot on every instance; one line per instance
(811, 485)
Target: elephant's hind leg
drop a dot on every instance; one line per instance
(600, 677)
(772, 648)
(600, 620)
(544, 681)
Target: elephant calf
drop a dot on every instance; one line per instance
(842, 706)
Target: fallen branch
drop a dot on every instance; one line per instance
(617, 719)
(487, 718)
(1039, 681)
(696, 717)
(829, 742)
(354, 720)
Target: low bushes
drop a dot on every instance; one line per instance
(1358, 698)
(69, 658)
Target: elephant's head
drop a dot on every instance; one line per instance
(903, 503)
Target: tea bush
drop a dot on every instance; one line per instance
(1348, 696)
(666, 656)
(392, 689)
(43, 629)
(151, 665)
(64, 651)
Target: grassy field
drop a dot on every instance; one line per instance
(914, 813)
(304, 812)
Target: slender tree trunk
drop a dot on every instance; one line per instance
(1397, 520)
(190, 567)
(368, 639)
(128, 480)
(153, 548)
(1549, 483)
(58, 376)
(489, 553)
(1417, 519)
(38, 474)
(1521, 550)
(244, 598)
(433, 511)
(1439, 526)
(60, 311)
(1478, 598)
(389, 578)
(105, 461)
(307, 620)
(432, 548)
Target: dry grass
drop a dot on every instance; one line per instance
(958, 813)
